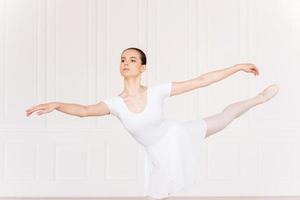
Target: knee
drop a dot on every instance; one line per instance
(228, 116)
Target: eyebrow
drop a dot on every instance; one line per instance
(130, 57)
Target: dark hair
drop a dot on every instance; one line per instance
(142, 54)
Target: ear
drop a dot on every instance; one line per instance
(143, 68)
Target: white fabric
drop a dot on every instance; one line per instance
(172, 145)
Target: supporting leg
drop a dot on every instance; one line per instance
(219, 121)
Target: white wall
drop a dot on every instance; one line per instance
(69, 51)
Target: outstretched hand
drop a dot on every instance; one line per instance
(248, 67)
(42, 108)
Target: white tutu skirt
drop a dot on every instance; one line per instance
(174, 159)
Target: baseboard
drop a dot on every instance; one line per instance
(143, 198)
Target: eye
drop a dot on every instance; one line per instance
(133, 60)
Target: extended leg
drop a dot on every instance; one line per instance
(219, 121)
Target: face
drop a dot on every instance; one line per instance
(131, 64)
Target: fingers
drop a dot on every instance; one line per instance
(251, 68)
(254, 69)
(29, 109)
(35, 108)
(43, 111)
(38, 113)
(255, 72)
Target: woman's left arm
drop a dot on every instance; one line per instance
(214, 76)
(211, 77)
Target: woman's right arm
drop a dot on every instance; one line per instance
(70, 108)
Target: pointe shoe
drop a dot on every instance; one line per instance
(269, 93)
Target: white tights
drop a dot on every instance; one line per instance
(217, 122)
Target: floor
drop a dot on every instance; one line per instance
(172, 198)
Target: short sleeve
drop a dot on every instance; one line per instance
(110, 104)
(165, 89)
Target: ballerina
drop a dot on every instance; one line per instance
(170, 144)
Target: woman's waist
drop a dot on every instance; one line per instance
(152, 134)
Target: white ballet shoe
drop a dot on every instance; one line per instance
(268, 93)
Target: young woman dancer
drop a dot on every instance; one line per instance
(171, 145)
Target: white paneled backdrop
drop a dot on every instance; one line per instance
(69, 51)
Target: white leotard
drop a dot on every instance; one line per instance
(172, 146)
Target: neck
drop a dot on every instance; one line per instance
(133, 87)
